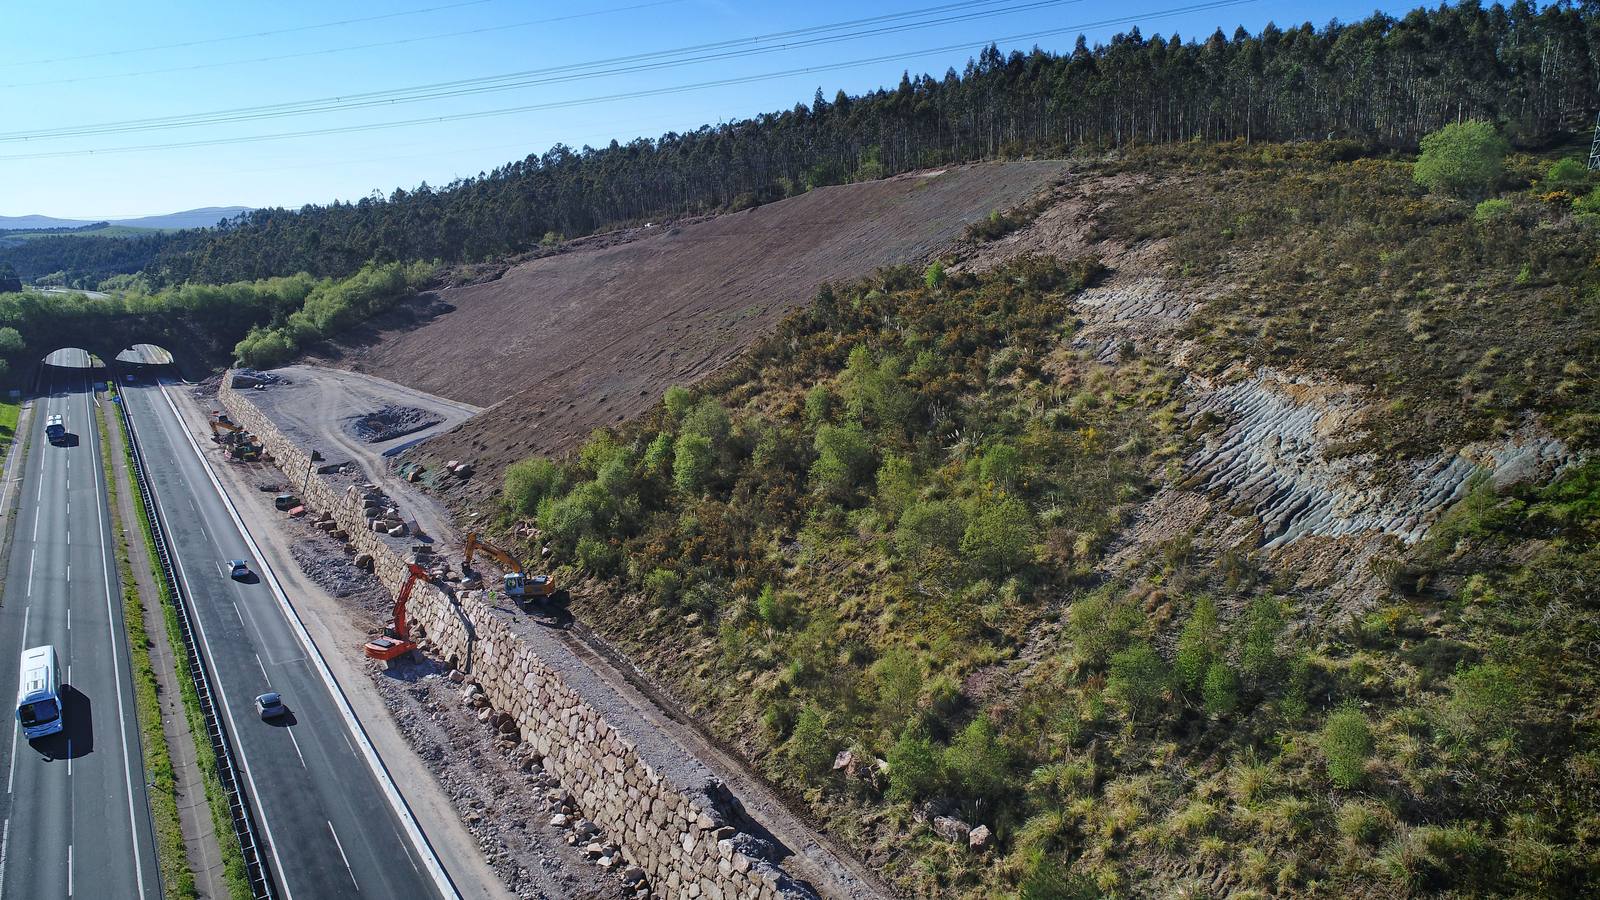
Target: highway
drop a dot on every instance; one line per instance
(330, 830)
(75, 816)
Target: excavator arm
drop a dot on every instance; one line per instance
(526, 585)
(396, 640)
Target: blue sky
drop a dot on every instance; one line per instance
(91, 62)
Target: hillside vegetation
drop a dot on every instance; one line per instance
(906, 528)
(1383, 81)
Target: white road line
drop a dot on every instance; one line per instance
(116, 667)
(346, 859)
(36, 511)
(11, 777)
(69, 624)
(32, 554)
(69, 573)
(391, 792)
(69, 755)
(239, 614)
(302, 758)
(227, 712)
(5, 839)
(350, 745)
(69, 870)
(264, 676)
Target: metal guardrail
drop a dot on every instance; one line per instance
(244, 825)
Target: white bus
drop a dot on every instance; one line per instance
(39, 692)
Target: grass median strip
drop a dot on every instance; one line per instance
(235, 872)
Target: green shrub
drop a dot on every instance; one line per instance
(663, 584)
(1258, 644)
(844, 459)
(915, 768)
(819, 405)
(1198, 645)
(1433, 858)
(528, 482)
(1220, 691)
(692, 461)
(597, 555)
(1346, 743)
(810, 748)
(897, 485)
(1462, 159)
(896, 679)
(933, 276)
(584, 510)
(1099, 626)
(774, 609)
(709, 419)
(1138, 679)
(1000, 465)
(1566, 174)
(999, 536)
(978, 762)
(933, 525)
(677, 399)
(658, 456)
(10, 341)
(1492, 210)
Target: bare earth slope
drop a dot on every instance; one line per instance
(588, 338)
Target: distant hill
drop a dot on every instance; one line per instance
(204, 217)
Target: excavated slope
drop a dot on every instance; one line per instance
(591, 337)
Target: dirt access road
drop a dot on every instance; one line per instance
(323, 408)
(591, 336)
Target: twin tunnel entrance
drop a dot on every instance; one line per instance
(141, 361)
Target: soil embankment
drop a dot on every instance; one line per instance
(591, 337)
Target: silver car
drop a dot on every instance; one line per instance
(270, 705)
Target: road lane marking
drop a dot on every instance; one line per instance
(69, 618)
(5, 840)
(264, 676)
(350, 745)
(36, 511)
(69, 573)
(69, 757)
(69, 870)
(346, 859)
(419, 842)
(32, 555)
(129, 779)
(239, 614)
(301, 755)
(11, 777)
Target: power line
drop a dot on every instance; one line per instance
(635, 95)
(240, 37)
(632, 63)
(487, 29)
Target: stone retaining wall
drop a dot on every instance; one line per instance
(680, 840)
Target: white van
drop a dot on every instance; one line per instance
(55, 429)
(39, 692)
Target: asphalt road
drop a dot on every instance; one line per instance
(75, 816)
(330, 830)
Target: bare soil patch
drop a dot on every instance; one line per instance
(391, 422)
(590, 337)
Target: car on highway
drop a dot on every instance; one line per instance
(238, 569)
(55, 429)
(270, 706)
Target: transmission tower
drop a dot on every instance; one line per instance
(1594, 145)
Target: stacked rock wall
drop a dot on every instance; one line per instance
(680, 840)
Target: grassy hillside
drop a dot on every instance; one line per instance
(907, 527)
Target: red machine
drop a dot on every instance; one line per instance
(396, 640)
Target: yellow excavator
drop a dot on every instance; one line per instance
(518, 584)
(236, 442)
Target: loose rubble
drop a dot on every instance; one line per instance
(391, 422)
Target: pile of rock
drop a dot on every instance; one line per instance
(939, 816)
(381, 513)
(458, 468)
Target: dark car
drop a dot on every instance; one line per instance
(270, 705)
(238, 569)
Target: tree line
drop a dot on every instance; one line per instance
(1383, 81)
